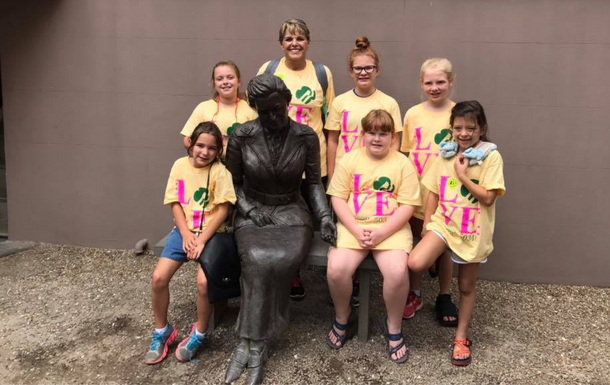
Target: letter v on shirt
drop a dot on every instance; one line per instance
(381, 198)
(418, 153)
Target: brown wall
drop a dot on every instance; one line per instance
(96, 92)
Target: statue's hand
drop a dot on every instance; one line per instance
(328, 230)
(260, 219)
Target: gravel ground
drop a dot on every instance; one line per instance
(79, 315)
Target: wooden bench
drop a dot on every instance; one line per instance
(317, 257)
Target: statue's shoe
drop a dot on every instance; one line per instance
(238, 363)
(256, 362)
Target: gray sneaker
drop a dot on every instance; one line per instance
(187, 349)
(159, 345)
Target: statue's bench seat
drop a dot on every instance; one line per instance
(318, 257)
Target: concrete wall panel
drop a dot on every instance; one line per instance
(96, 92)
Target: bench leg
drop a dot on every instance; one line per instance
(219, 308)
(363, 312)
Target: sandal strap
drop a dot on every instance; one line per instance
(461, 347)
(445, 306)
(397, 348)
(395, 337)
(340, 326)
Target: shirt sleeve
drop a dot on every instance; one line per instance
(263, 68)
(330, 91)
(340, 183)
(333, 123)
(408, 192)
(252, 114)
(395, 112)
(223, 187)
(493, 178)
(196, 117)
(406, 135)
(430, 181)
(171, 190)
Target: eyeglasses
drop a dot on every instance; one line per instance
(367, 69)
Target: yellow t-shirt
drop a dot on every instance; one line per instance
(307, 99)
(423, 132)
(373, 190)
(227, 118)
(187, 186)
(346, 115)
(467, 225)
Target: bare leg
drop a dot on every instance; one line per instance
(415, 280)
(342, 264)
(204, 308)
(393, 267)
(426, 252)
(467, 279)
(444, 277)
(163, 273)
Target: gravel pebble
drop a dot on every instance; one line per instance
(76, 315)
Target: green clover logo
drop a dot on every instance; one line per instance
(443, 136)
(466, 194)
(202, 196)
(384, 184)
(306, 94)
(232, 128)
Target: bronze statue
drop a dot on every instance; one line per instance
(273, 228)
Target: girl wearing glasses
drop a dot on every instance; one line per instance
(348, 109)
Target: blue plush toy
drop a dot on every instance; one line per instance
(475, 155)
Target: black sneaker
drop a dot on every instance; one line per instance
(297, 291)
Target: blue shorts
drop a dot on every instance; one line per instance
(173, 247)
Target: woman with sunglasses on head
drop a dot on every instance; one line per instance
(348, 109)
(311, 86)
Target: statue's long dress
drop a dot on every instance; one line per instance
(267, 171)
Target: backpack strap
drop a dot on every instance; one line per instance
(319, 68)
(320, 74)
(323, 80)
(272, 66)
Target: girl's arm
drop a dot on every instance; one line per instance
(189, 240)
(345, 216)
(431, 205)
(486, 197)
(397, 220)
(222, 211)
(331, 151)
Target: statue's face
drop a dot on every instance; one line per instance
(273, 112)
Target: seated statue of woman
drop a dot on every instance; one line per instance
(273, 228)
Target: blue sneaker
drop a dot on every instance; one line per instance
(159, 345)
(188, 347)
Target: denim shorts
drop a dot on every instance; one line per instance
(173, 247)
(454, 257)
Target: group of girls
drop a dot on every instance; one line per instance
(443, 193)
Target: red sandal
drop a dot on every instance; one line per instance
(460, 347)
